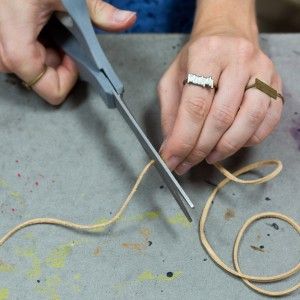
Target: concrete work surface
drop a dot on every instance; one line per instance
(79, 161)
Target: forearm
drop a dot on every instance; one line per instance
(219, 15)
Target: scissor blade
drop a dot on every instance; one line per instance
(173, 185)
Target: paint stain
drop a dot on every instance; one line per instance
(36, 183)
(147, 215)
(229, 214)
(49, 288)
(170, 274)
(179, 219)
(149, 276)
(149, 243)
(274, 225)
(35, 271)
(3, 184)
(295, 132)
(134, 246)
(15, 195)
(257, 248)
(161, 187)
(77, 276)
(58, 256)
(97, 251)
(267, 198)
(19, 175)
(5, 267)
(145, 232)
(4, 293)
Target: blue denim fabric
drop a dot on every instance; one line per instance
(160, 15)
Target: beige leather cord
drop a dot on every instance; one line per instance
(248, 279)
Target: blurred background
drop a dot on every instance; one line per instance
(278, 15)
(160, 16)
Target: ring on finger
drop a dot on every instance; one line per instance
(35, 80)
(266, 89)
(199, 80)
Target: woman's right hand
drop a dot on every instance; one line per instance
(24, 55)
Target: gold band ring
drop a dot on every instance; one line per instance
(266, 89)
(31, 83)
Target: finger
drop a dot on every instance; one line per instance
(108, 17)
(251, 114)
(53, 58)
(169, 90)
(222, 113)
(194, 106)
(58, 81)
(272, 117)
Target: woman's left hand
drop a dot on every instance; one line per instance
(200, 123)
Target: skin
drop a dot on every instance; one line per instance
(198, 124)
(207, 124)
(21, 23)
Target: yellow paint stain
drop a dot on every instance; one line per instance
(29, 236)
(3, 184)
(35, 271)
(4, 293)
(5, 267)
(77, 276)
(50, 287)
(145, 276)
(179, 219)
(15, 195)
(58, 256)
(149, 276)
(164, 277)
(76, 289)
(147, 215)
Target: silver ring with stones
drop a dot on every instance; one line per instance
(202, 81)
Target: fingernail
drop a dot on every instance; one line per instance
(183, 168)
(213, 158)
(173, 162)
(121, 16)
(162, 147)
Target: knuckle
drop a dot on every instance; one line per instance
(196, 107)
(210, 43)
(97, 7)
(256, 139)
(256, 115)
(197, 154)
(245, 49)
(227, 146)
(223, 117)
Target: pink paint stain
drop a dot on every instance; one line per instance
(19, 175)
(13, 209)
(17, 161)
(36, 183)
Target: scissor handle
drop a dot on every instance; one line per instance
(82, 45)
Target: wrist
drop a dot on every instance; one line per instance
(231, 17)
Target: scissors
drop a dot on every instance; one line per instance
(74, 33)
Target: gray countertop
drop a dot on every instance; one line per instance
(78, 162)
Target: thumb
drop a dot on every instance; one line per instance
(110, 18)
